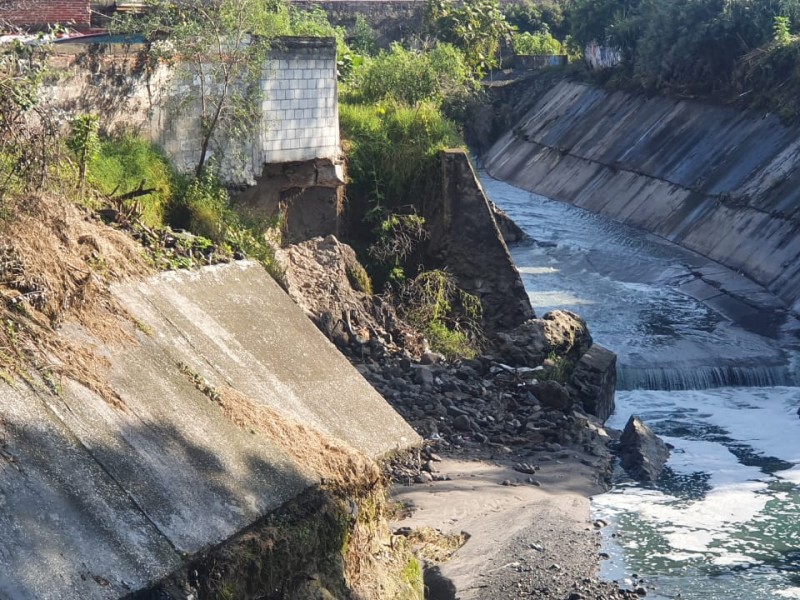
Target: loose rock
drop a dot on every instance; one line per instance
(642, 453)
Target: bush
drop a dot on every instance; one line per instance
(769, 78)
(363, 38)
(203, 208)
(530, 16)
(448, 316)
(410, 77)
(393, 150)
(124, 164)
(536, 44)
(477, 27)
(29, 132)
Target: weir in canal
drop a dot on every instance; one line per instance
(710, 360)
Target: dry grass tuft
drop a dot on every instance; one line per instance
(434, 546)
(56, 264)
(339, 465)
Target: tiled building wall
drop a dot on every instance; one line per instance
(300, 118)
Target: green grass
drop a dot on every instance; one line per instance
(121, 165)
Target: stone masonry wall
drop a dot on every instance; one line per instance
(392, 20)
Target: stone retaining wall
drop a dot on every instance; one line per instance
(392, 20)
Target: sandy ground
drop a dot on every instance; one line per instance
(526, 540)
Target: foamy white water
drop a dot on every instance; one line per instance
(723, 522)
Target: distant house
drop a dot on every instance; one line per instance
(40, 14)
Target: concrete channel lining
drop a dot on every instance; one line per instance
(234, 325)
(688, 172)
(98, 501)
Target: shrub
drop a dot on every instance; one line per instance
(476, 27)
(527, 15)
(448, 316)
(410, 76)
(396, 241)
(125, 164)
(84, 143)
(536, 44)
(363, 38)
(393, 150)
(203, 207)
(769, 78)
(29, 132)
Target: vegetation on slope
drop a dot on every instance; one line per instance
(395, 118)
(735, 50)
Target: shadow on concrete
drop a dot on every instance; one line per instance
(102, 520)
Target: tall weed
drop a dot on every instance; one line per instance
(410, 76)
(125, 164)
(393, 151)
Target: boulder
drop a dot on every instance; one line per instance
(552, 395)
(561, 332)
(594, 381)
(566, 333)
(642, 453)
(510, 231)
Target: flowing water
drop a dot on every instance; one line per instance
(714, 372)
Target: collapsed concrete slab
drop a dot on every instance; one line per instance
(98, 500)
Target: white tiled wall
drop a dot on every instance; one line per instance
(301, 117)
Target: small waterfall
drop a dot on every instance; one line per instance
(718, 524)
(703, 377)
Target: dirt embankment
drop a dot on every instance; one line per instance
(56, 263)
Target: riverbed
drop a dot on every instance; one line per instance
(710, 360)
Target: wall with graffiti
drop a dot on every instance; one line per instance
(601, 57)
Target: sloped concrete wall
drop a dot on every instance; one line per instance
(461, 222)
(98, 501)
(722, 183)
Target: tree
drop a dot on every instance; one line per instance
(476, 27)
(221, 45)
(28, 130)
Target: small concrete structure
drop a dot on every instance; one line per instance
(99, 502)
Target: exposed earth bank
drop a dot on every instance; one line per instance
(512, 452)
